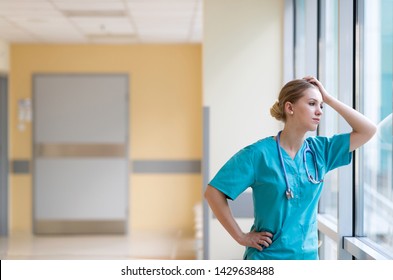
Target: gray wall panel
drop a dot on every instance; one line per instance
(166, 166)
(3, 156)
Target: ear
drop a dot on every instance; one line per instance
(288, 108)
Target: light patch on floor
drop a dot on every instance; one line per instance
(138, 245)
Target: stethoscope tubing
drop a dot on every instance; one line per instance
(289, 193)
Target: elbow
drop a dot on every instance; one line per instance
(372, 130)
(359, 138)
(375, 128)
(368, 132)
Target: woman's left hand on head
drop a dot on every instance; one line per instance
(318, 84)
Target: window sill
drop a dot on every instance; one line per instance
(363, 249)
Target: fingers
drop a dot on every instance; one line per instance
(264, 244)
(259, 240)
(309, 78)
(312, 80)
(268, 234)
(318, 84)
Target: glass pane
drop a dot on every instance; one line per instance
(300, 38)
(375, 174)
(327, 248)
(328, 75)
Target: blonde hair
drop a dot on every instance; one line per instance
(291, 92)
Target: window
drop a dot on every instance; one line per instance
(300, 38)
(305, 49)
(328, 75)
(375, 100)
(355, 64)
(328, 248)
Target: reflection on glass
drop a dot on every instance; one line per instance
(328, 74)
(300, 39)
(327, 248)
(376, 97)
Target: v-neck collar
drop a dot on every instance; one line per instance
(284, 152)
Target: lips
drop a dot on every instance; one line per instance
(316, 120)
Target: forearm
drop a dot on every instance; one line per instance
(362, 128)
(219, 205)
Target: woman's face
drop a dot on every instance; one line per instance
(307, 111)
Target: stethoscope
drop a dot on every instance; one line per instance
(289, 192)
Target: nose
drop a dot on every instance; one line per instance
(319, 112)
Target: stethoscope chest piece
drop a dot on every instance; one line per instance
(289, 194)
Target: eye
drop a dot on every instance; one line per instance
(311, 103)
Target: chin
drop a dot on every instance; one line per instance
(314, 128)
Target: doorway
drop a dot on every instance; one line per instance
(80, 153)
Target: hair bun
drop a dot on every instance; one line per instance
(276, 112)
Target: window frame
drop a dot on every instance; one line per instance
(348, 232)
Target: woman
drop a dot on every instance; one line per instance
(286, 189)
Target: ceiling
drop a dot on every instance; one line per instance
(101, 21)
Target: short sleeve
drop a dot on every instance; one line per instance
(334, 150)
(236, 175)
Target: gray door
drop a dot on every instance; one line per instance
(80, 162)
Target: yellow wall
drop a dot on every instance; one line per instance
(165, 122)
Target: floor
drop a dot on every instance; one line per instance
(138, 245)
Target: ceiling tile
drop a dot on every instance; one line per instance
(14, 5)
(104, 26)
(48, 28)
(101, 21)
(12, 33)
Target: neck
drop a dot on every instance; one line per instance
(291, 140)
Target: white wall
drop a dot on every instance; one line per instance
(4, 57)
(242, 72)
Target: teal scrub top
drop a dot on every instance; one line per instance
(293, 223)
